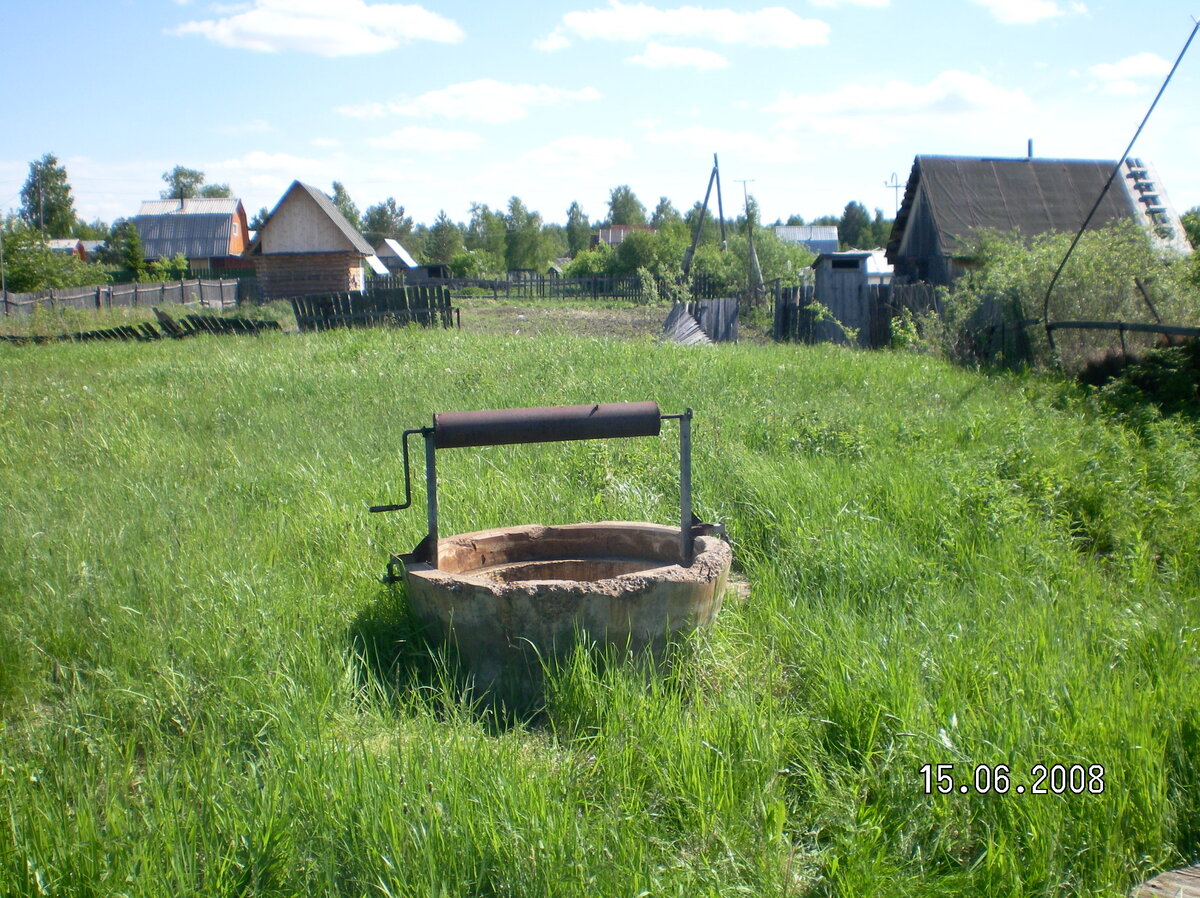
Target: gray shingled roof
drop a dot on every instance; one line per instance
(196, 236)
(1032, 195)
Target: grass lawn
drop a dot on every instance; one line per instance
(205, 689)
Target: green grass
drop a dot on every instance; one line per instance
(205, 689)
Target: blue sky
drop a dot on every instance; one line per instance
(816, 102)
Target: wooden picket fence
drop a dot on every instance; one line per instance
(220, 294)
(428, 306)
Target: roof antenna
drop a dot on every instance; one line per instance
(1107, 184)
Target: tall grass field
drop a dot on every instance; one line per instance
(967, 663)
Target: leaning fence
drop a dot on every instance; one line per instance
(800, 316)
(377, 307)
(220, 294)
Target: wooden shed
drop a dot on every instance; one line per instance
(949, 196)
(840, 285)
(307, 246)
(395, 256)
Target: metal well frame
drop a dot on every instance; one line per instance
(541, 425)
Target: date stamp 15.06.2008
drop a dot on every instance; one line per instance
(1001, 779)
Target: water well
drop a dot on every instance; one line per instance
(510, 597)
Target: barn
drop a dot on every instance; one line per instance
(949, 196)
(307, 246)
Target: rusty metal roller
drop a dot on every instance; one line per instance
(452, 430)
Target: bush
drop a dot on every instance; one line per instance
(1114, 274)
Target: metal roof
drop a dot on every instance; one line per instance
(195, 235)
(192, 206)
(806, 233)
(1033, 196)
(63, 244)
(327, 206)
(391, 247)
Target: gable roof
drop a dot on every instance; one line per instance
(327, 206)
(1030, 195)
(201, 205)
(391, 247)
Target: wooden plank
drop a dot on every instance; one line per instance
(1174, 330)
(1182, 883)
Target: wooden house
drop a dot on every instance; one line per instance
(615, 235)
(67, 246)
(210, 232)
(947, 197)
(307, 246)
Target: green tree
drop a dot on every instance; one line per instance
(710, 231)
(345, 205)
(1100, 282)
(259, 221)
(624, 208)
(665, 214)
(29, 265)
(46, 201)
(444, 242)
(125, 248)
(579, 230)
(1191, 226)
(524, 247)
(384, 220)
(182, 183)
(638, 250)
(600, 259)
(93, 230)
(187, 183)
(487, 231)
(881, 229)
(854, 228)
(164, 269)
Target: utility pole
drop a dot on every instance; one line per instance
(896, 186)
(756, 278)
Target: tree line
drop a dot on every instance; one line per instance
(489, 243)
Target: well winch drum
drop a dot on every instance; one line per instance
(529, 592)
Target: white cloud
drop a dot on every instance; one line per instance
(874, 115)
(485, 100)
(771, 26)
(555, 40)
(950, 93)
(1141, 65)
(267, 175)
(660, 56)
(747, 146)
(342, 28)
(325, 142)
(876, 4)
(586, 153)
(427, 139)
(1025, 12)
